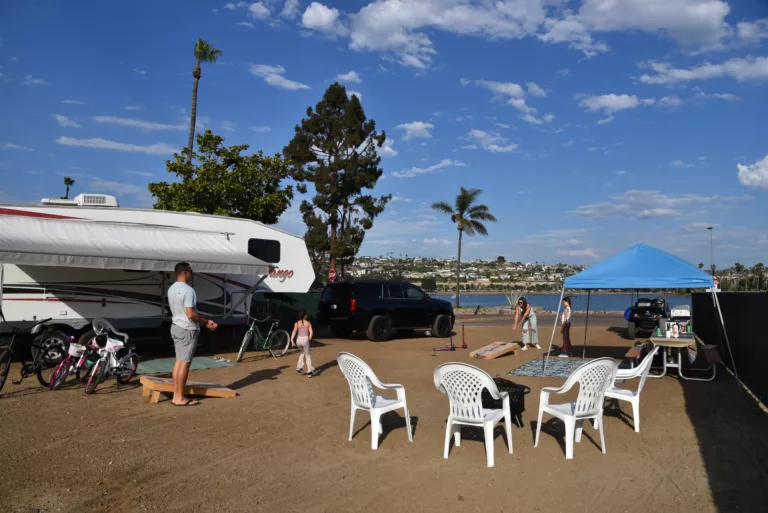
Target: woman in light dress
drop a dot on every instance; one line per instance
(525, 318)
(301, 337)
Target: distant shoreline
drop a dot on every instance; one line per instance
(553, 293)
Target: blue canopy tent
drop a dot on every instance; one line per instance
(640, 267)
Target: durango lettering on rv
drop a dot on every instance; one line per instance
(280, 274)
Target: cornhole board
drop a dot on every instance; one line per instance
(494, 350)
(153, 387)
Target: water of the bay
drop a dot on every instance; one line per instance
(599, 302)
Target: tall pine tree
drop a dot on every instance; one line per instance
(335, 148)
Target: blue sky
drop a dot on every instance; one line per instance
(590, 126)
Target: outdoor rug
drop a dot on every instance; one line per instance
(556, 367)
(165, 365)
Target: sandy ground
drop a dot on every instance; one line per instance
(281, 445)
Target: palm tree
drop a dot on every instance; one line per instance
(758, 269)
(701, 266)
(203, 53)
(739, 270)
(68, 183)
(468, 216)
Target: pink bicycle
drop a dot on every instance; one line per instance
(79, 361)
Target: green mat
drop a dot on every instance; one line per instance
(165, 365)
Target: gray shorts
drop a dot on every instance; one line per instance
(185, 342)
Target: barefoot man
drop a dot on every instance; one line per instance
(184, 330)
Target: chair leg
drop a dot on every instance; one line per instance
(448, 430)
(570, 428)
(352, 421)
(408, 423)
(488, 428)
(602, 433)
(375, 429)
(457, 435)
(538, 427)
(508, 425)
(579, 429)
(636, 412)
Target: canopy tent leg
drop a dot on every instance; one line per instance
(586, 327)
(247, 294)
(554, 327)
(727, 342)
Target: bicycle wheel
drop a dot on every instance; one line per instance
(278, 342)
(61, 374)
(127, 369)
(47, 363)
(96, 376)
(5, 366)
(244, 346)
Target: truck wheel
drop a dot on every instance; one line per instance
(379, 329)
(631, 331)
(442, 326)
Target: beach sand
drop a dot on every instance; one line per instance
(281, 445)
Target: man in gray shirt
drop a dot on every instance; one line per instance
(185, 330)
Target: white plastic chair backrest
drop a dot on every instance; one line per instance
(464, 385)
(645, 367)
(594, 379)
(360, 378)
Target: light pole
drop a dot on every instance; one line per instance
(711, 252)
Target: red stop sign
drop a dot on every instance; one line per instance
(332, 275)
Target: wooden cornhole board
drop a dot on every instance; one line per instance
(494, 350)
(153, 387)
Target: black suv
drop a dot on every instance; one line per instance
(645, 315)
(377, 307)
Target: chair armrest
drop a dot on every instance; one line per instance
(625, 374)
(390, 385)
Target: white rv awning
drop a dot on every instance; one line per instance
(108, 245)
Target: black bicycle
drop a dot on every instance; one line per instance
(46, 356)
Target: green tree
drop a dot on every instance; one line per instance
(468, 217)
(758, 269)
(429, 284)
(68, 183)
(701, 266)
(738, 269)
(501, 260)
(335, 148)
(222, 181)
(204, 52)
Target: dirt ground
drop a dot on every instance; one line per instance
(281, 445)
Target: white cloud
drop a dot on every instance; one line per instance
(512, 93)
(133, 107)
(741, 69)
(503, 125)
(64, 121)
(137, 123)
(230, 6)
(12, 146)
(349, 77)
(351, 93)
(438, 242)
(387, 150)
(563, 72)
(259, 11)
(610, 103)
(605, 121)
(416, 130)
(247, 24)
(494, 143)
(323, 19)
(535, 90)
(754, 175)
(273, 75)
(104, 144)
(586, 252)
(72, 102)
(530, 118)
(670, 101)
(228, 126)
(140, 71)
(752, 31)
(290, 9)
(647, 204)
(145, 174)
(415, 171)
(121, 189)
(261, 129)
(728, 97)
(29, 80)
(680, 164)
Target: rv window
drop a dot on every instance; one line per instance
(265, 250)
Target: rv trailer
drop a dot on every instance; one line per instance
(76, 260)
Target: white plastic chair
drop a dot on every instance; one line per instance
(362, 381)
(464, 385)
(594, 378)
(633, 396)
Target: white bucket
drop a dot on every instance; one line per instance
(76, 350)
(114, 345)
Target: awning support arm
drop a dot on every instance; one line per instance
(554, 327)
(246, 295)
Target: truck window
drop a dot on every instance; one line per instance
(395, 291)
(265, 250)
(367, 290)
(336, 291)
(412, 292)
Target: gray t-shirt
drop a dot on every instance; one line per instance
(180, 297)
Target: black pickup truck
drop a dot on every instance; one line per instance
(378, 307)
(645, 315)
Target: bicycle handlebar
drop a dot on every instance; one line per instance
(16, 329)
